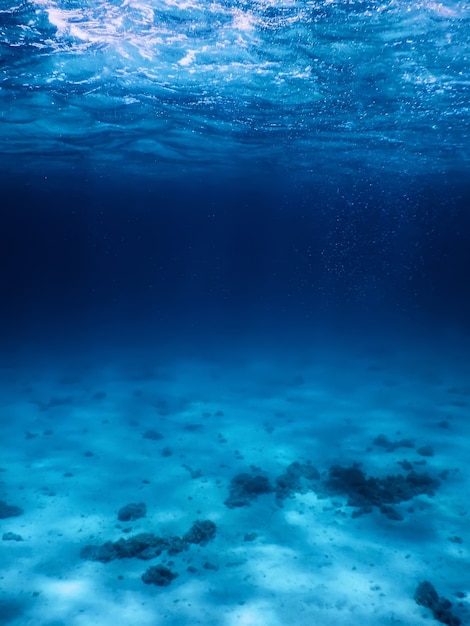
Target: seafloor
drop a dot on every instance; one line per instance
(333, 474)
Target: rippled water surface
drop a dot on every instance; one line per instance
(310, 86)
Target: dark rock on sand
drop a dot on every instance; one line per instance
(200, 533)
(9, 510)
(11, 537)
(244, 488)
(427, 596)
(147, 546)
(298, 478)
(159, 575)
(364, 492)
(131, 512)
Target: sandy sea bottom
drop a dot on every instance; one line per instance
(82, 437)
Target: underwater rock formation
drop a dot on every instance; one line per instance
(244, 488)
(11, 537)
(131, 512)
(365, 492)
(384, 442)
(158, 575)
(427, 596)
(147, 546)
(9, 510)
(200, 533)
(297, 478)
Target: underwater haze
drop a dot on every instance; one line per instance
(234, 312)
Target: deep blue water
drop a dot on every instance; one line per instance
(209, 259)
(235, 165)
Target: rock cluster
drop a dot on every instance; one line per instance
(427, 596)
(9, 510)
(365, 492)
(148, 546)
